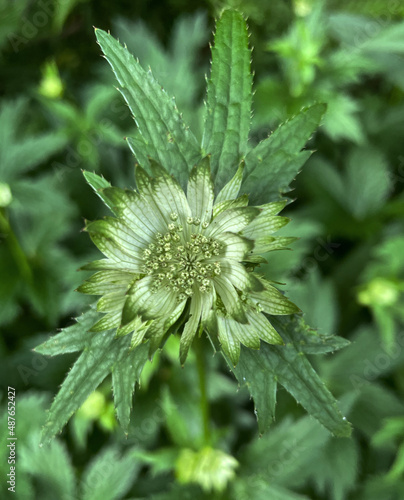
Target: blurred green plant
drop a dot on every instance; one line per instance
(268, 169)
(322, 56)
(345, 270)
(176, 67)
(37, 271)
(48, 473)
(384, 287)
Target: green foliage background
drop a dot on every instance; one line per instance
(60, 113)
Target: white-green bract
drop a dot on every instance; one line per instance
(184, 262)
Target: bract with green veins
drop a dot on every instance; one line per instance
(185, 262)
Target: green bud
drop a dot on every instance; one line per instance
(5, 195)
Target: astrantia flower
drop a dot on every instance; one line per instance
(184, 262)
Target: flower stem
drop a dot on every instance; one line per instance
(15, 248)
(201, 366)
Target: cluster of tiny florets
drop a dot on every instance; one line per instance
(183, 264)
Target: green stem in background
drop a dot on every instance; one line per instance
(15, 248)
(201, 366)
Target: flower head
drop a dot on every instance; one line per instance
(184, 262)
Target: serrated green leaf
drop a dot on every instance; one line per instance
(52, 465)
(124, 378)
(176, 64)
(351, 368)
(290, 367)
(342, 120)
(91, 368)
(364, 185)
(98, 183)
(139, 148)
(322, 344)
(109, 476)
(272, 165)
(374, 403)
(286, 455)
(73, 338)
(30, 152)
(293, 134)
(178, 426)
(261, 386)
(20, 153)
(367, 181)
(165, 136)
(386, 41)
(229, 95)
(336, 470)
